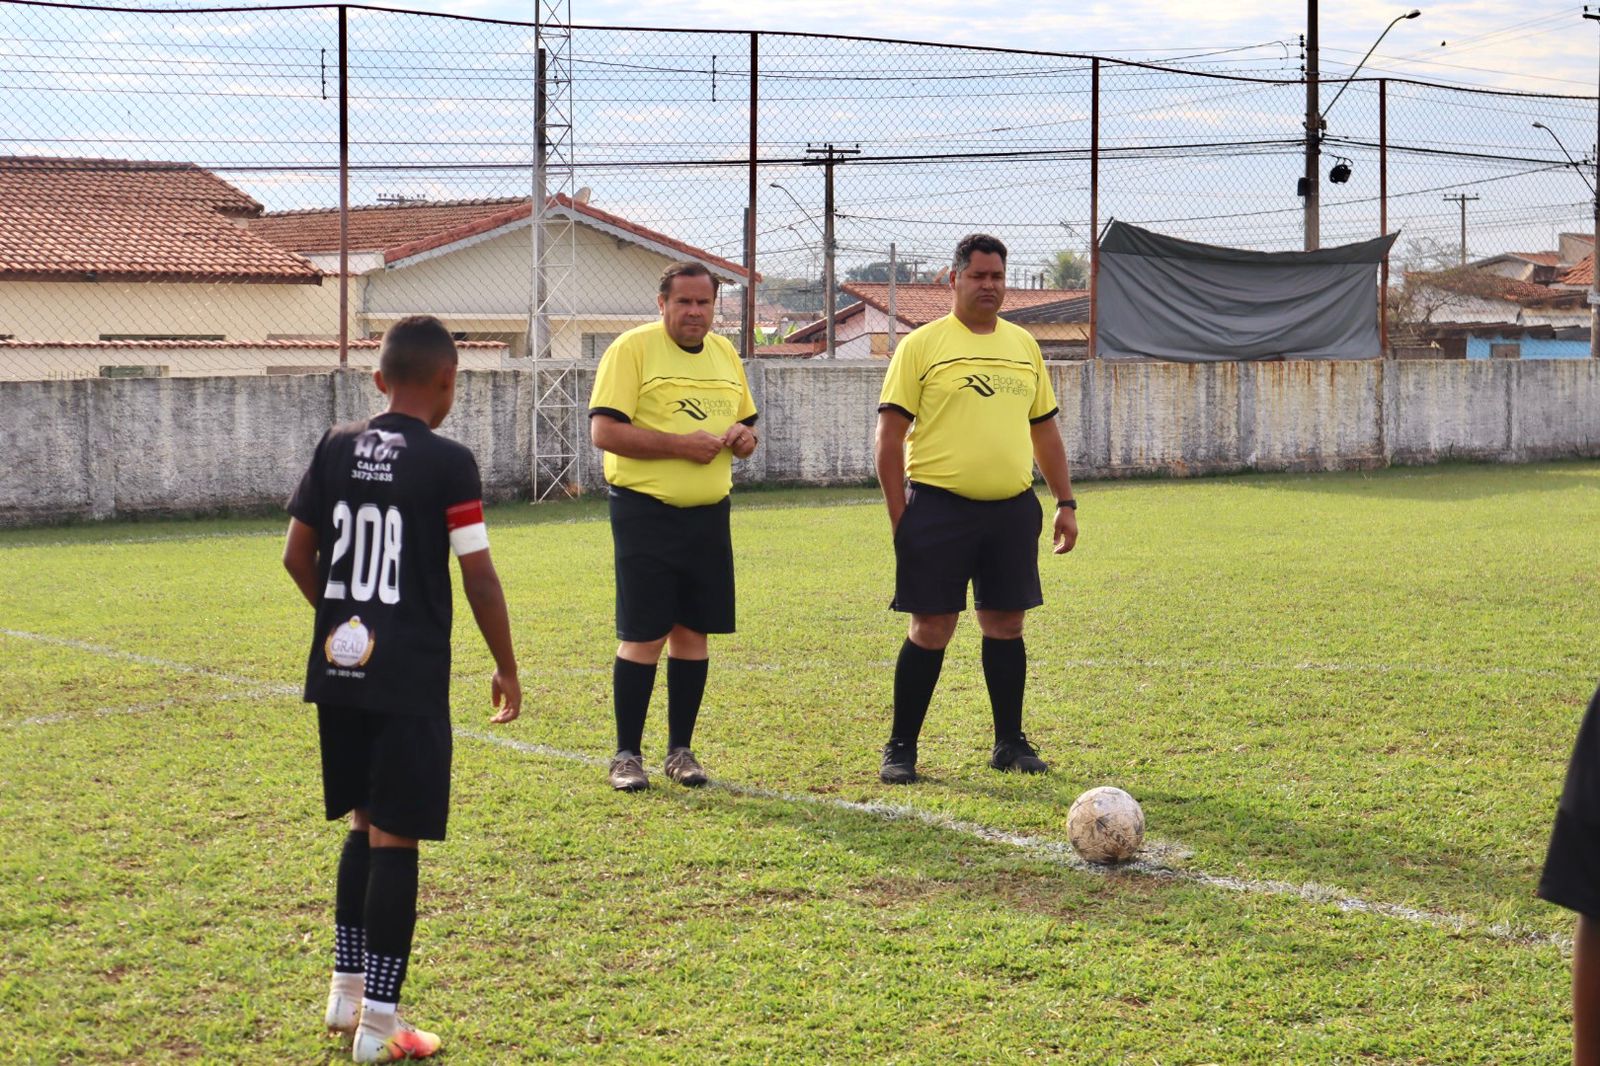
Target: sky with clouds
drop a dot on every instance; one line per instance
(1532, 46)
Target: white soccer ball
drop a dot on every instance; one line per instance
(1106, 825)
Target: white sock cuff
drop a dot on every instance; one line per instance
(377, 1006)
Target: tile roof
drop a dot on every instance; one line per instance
(131, 220)
(400, 231)
(354, 343)
(918, 304)
(1487, 286)
(1580, 273)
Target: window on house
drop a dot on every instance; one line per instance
(595, 344)
(1505, 350)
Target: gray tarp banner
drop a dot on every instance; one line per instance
(1163, 298)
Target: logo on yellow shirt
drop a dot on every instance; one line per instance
(989, 384)
(701, 408)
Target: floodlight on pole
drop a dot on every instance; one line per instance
(1316, 120)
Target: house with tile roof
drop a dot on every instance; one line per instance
(117, 254)
(1468, 295)
(861, 329)
(114, 250)
(471, 263)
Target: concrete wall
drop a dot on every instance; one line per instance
(107, 448)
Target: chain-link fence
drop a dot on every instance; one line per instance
(170, 197)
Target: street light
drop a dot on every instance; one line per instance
(1316, 119)
(827, 259)
(790, 195)
(1573, 162)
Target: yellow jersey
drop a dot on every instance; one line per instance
(972, 398)
(646, 379)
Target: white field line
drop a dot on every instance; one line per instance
(598, 516)
(1152, 860)
(137, 708)
(261, 687)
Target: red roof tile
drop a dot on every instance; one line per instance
(918, 304)
(1581, 272)
(1487, 286)
(788, 350)
(400, 231)
(130, 220)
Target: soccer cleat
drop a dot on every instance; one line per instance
(390, 1038)
(344, 1002)
(899, 763)
(684, 768)
(627, 772)
(1017, 754)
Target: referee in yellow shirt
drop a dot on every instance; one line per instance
(966, 410)
(671, 409)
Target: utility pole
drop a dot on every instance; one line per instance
(1311, 180)
(830, 155)
(1594, 269)
(1463, 200)
(894, 270)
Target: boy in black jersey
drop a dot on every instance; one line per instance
(374, 521)
(1571, 879)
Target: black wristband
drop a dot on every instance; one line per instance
(1071, 505)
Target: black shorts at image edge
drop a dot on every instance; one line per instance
(1571, 876)
(945, 540)
(674, 566)
(396, 767)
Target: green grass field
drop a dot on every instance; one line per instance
(1322, 688)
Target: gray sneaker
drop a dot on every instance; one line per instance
(684, 768)
(627, 772)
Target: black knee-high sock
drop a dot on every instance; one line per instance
(350, 905)
(686, 687)
(1005, 672)
(916, 673)
(391, 919)
(630, 700)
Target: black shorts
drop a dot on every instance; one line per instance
(674, 566)
(945, 540)
(396, 767)
(1571, 876)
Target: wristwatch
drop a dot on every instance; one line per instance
(1071, 505)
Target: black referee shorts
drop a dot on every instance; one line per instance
(674, 566)
(396, 767)
(945, 540)
(1571, 875)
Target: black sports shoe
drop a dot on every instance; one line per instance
(1017, 754)
(899, 763)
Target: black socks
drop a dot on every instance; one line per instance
(916, 673)
(631, 684)
(630, 693)
(391, 913)
(686, 687)
(350, 904)
(1005, 672)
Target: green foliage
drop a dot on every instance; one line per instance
(1067, 270)
(1367, 682)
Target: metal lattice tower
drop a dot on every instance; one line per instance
(553, 341)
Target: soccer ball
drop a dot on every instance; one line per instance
(1105, 825)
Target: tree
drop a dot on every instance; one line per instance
(1430, 283)
(879, 272)
(1067, 270)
